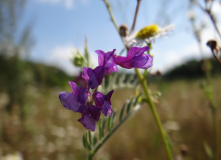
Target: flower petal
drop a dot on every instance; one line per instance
(107, 108)
(80, 92)
(99, 73)
(99, 99)
(94, 111)
(136, 51)
(101, 57)
(149, 62)
(73, 87)
(103, 102)
(93, 77)
(135, 59)
(88, 122)
(69, 101)
(107, 60)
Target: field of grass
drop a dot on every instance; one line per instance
(49, 131)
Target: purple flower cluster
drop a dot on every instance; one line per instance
(82, 99)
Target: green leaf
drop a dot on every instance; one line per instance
(85, 141)
(208, 150)
(100, 129)
(109, 123)
(122, 112)
(129, 105)
(170, 144)
(136, 100)
(94, 139)
(113, 118)
(86, 52)
(103, 126)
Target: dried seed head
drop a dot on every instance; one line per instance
(207, 1)
(213, 45)
(123, 30)
(184, 150)
(157, 73)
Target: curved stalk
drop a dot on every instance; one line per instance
(155, 114)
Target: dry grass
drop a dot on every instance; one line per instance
(51, 132)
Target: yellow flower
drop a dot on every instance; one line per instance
(147, 35)
(147, 32)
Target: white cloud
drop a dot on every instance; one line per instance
(61, 57)
(185, 48)
(68, 4)
(49, 1)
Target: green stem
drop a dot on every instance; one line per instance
(110, 133)
(216, 133)
(155, 114)
(144, 85)
(91, 155)
(210, 98)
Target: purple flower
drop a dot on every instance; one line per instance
(90, 115)
(107, 60)
(93, 77)
(135, 59)
(75, 99)
(103, 102)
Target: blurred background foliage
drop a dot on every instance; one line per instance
(35, 126)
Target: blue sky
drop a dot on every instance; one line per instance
(60, 27)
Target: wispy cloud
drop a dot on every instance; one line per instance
(68, 4)
(61, 57)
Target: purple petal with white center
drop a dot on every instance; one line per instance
(69, 101)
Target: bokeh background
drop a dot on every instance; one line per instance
(38, 40)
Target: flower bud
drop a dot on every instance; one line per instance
(212, 44)
(123, 30)
(78, 60)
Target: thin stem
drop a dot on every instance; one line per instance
(112, 17)
(91, 155)
(155, 114)
(216, 133)
(208, 81)
(135, 16)
(208, 11)
(144, 85)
